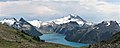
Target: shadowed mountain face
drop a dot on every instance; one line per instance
(94, 34)
(113, 42)
(26, 27)
(67, 28)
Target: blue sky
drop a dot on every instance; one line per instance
(90, 10)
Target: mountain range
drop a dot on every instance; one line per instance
(74, 27)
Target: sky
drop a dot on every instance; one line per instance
(44, 10)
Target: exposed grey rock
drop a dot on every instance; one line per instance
(94, 34)
(26, 27)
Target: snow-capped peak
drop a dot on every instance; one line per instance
(63, 20)
(22, 20)
(8, 21)
(73, 15)
(107, 23)
(35, 23)
(69, 18)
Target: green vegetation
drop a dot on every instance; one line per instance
(12, 38)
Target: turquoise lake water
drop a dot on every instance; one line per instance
(59, 39)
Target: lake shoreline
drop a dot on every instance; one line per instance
(59, 39)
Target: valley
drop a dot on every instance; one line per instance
(70, 30)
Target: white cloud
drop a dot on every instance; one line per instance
(100, 6)
(89, 9)
(43, 10)
(105, 10)
(27, 8)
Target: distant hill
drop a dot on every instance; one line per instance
(12, 38)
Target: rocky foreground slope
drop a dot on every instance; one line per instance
(114, 42)
(12, 38)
